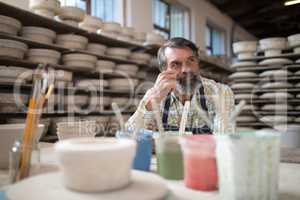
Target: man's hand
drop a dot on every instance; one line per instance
(165, 83)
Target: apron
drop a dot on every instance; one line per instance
(197, 130)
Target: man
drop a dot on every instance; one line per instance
(178, 82)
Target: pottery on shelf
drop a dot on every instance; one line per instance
(38, 34)
(9, 25)
(72, 41)
(12, 48)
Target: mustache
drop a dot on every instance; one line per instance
(187, 78)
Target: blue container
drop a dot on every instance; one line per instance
(143, 155)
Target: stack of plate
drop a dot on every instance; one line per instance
(9, 25)
(67, 130)
(294, 42)
(43, 56)
(70, 15)
(243, 64)
(38, 34)
(245, 49)
(12, 74)
(13, 49)
(154, 39)
(243, 86)
(126, 69)
(92, 84)
(96, 48)
(46, 8)
(72, 41)
(110, 29)
(276, 61)
(91, 24)
(273, 46)
(105, 66)
(123, 84)
(139, 37)
(10, 102)
(121, 53)
(140, 57)
(79, 61)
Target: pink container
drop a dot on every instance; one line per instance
(200, 170)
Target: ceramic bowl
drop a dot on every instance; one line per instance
(243, 75)
(121, 52)
(118, 83)
(276, 73)
(297, 50)
(62, 75)
(111, 27)
(245, 119)
(276, 61)
(127, 67)
(140, 56)
(38, 34)
(243, 64)
(96, 164)
(244, 46)
(243, 86)
(276, 43)
(92, 83)
(13, 49)
(276, 85)
(277, 107)
(43, 56)
(276, 95)
(51, 5)
(9, 133)
(276, 119)
(91, 21)
(79, 57)
(71, 13)
(245, 55)
(9, 25)
(245, 96)
(294, 40)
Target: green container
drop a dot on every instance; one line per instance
(169, 157)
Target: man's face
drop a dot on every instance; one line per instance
(186, 65)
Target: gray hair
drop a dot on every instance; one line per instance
(176, 42)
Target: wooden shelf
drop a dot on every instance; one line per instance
(30, 19)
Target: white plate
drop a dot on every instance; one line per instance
(275, 85)
(91, 21)
(276, 95)
(276, 61)
(123, 52)
(273, 43)
(145, 186)
(79, 57)
(243, 86)
(71, 13)
(243, 75)
(52, 5)
(243, 64)
(277, 73)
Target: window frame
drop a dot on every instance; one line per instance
(213, 27)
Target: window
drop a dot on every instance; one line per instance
(215, 41)
(169, 19)
(104, 9)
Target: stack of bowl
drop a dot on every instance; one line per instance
(79, 61)
(126, 34)
(126, 69)
(70, 15)
(38, 34)
(273, 46)
(245, 49)
(9, 25)
(96, 48)
(46, 8)
(142, 58)
(72, 41)
(123, 84)
(91, 24)
(12, 74)
(294, 42)
(67, 130)
(105, 66)
(13, 49)
(110, 29)
(120, 53)
(48, 56)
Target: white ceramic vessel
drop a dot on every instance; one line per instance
(9, 25)
(243, 75)
(111, 27)
(119, 52)
(276, 95)
(245, 96)
(294, 40)
(78, 155)
(105, 66)
(96, 48)
(51, 5)
(243, 86)
(277, 73)
(273, 46)
(276, 61)
(243, 64)
(91, 23)
(43, 56)
(72, 41)
(276, 85)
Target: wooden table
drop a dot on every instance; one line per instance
(288, 184)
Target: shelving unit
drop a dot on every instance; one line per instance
(258, 90)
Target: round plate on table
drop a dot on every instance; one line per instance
(145, 186)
